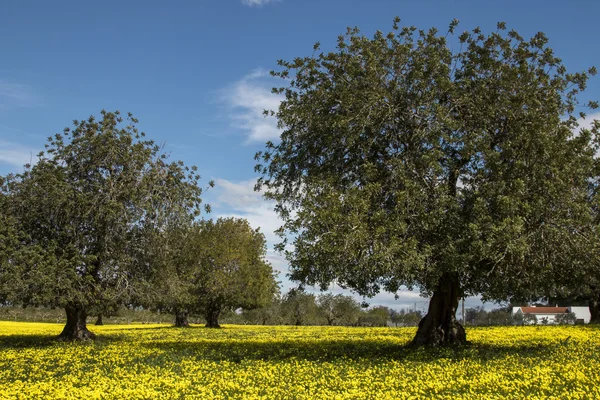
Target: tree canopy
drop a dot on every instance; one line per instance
(83, 211)
(232, 269)
(451, 163)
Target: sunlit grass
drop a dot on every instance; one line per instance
(158, 361)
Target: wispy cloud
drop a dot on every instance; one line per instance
(17, 95)
(248, 98)
(16, 154)
(238, 199)
(258, 3)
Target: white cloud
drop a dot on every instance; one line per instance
(248, 98)
(17, 95)
(241, 201)
(258, 3)
(16, 154)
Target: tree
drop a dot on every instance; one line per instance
(233, 272)
(403, 162)
(338, 309)
(530, 319)
(270, 314)
(376, 316)
(84, 210)
(566, 319)
(412, 318)
(518, 319)
(475, 315)
(175, 256)
(397, 317)
(300, 308)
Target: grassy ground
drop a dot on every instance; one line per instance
(158, 361)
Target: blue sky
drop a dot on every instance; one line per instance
(195, 72)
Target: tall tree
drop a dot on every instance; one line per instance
(88, 203)
(403, 162)
(233, 271)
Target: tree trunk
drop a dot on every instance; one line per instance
(439, 326)
(212, 317)
(594, 305)
(76, 328)
(99, 320)
(181, 319)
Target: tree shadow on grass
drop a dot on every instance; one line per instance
(20, 341)
(340, 350)
(42, 341)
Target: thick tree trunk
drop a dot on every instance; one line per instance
(212, 317)
(595, 310)
(76, 328)
(181, 319)
(439, 326)
(99, 320)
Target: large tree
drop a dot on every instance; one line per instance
(87, 206)
(232, 269)
(432, 161)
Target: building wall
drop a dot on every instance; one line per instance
(581, 313)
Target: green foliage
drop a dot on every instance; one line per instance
(376, 316)
(498, 316)
(232, 271)
(566, 319)
(174, 255)
(271, 314)
(300, 308)
(338, 309)
(84, 211)
(402, 162)
(405, 317)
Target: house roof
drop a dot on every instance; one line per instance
(544, 310)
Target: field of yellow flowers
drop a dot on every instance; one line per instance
(158, 361)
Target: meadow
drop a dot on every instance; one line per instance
(288, 362)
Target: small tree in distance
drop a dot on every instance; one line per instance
(566, 319)
(232, 270)
(338, 309)
(300, 308)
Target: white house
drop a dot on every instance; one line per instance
(549, 314)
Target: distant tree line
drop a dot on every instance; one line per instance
(301, 308)
(293, 308)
